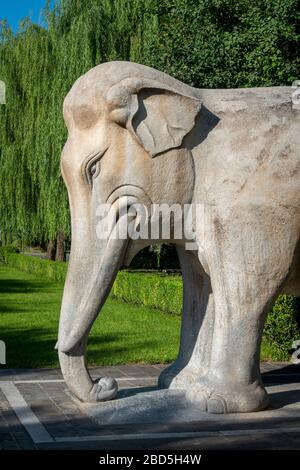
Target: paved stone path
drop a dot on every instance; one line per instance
(37, 412)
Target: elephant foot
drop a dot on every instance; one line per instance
(178, 377)
(105, 389)
(221, 399)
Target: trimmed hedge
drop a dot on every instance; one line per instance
(152, 290)
(164, 292)
(44, 268)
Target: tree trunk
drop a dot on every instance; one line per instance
(60, 247)
(51, 248)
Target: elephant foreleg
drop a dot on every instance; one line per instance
(79, 381)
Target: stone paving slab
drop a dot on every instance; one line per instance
(144, 418)
(132, 370)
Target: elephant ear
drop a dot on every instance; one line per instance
(159, 117)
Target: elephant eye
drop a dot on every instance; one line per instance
(91, 167)
(93, 171)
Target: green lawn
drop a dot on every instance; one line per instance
(123, 333)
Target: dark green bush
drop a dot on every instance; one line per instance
(282, 326)
(145, 259)
(157, 257)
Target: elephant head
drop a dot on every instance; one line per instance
(127, 131)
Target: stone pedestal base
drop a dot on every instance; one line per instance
(151, 406)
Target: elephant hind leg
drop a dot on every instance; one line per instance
(292, 284)
(247, 268)
(196, 327)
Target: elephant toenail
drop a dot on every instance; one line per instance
(217, 405)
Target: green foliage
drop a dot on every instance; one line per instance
(282, 326)
(216, 43)
(6, 250)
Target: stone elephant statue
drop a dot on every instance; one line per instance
(138, 135)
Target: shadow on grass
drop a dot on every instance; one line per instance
(5, 309)
(23, 307)
(15, 286)
(35, 348)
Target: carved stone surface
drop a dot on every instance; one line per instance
(139, 135)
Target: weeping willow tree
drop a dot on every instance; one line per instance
(206, 44)
(38, 66)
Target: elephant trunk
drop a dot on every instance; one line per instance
(87, 286)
